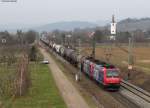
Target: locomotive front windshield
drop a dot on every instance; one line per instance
(112, 73)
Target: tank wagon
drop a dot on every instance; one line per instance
(57, 48)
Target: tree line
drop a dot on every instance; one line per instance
(102, 35)
(18, 37)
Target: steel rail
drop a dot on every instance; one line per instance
(136, 90)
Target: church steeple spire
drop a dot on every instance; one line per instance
(113, 18)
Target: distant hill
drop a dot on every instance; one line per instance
(66, 26)
(102, 22)
(130, 24)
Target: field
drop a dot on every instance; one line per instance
(119, 57)
(8, 70)
(43, 92)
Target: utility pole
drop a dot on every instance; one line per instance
(78, 75)
(130, 57)
(68, 39)
(19, 33)
(63, 39)
(93, 44)
(92, 35)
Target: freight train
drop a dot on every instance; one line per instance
(102, 72)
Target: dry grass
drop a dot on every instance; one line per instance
(120, 57)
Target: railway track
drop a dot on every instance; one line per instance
(136, 90)
(126, 86)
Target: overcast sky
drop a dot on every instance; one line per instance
(48, 11)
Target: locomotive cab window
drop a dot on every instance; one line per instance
(112, 73)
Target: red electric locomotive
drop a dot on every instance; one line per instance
(103, 73)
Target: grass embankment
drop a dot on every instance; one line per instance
(43, 92)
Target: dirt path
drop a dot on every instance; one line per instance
(70, 94)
